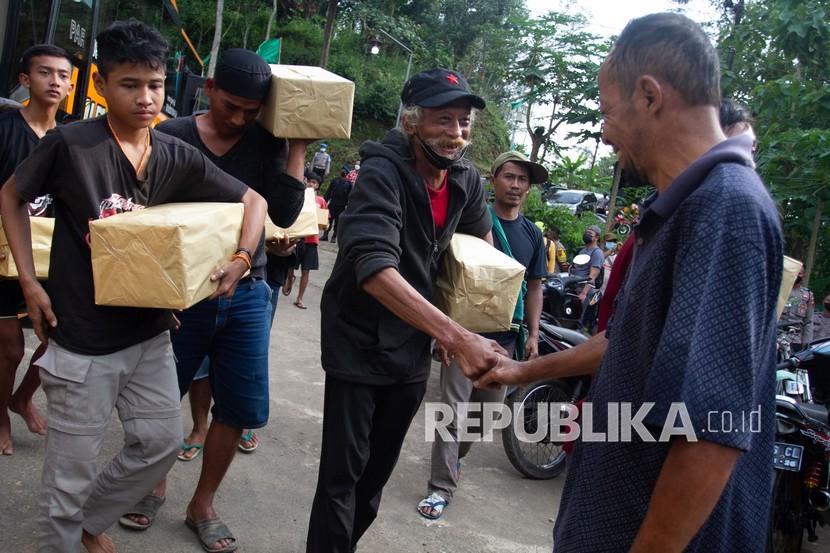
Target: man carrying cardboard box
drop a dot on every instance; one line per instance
(517, 236)
(414, 191)
(45, 70)
(233, 333)
(101, 358)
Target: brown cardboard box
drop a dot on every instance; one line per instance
(308, 102)
(305, 225)
(478, 285)
(322, 218)
(42, 228)
(163, 256)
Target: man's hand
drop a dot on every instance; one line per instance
(40, 311)
(506, 372)
(228, 276)
(282, 247)
(474, 354)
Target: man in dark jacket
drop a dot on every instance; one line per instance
(414, 191)
(337, 197)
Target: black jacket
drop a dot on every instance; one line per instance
(388, 223)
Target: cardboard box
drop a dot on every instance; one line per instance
(163, 256)
(322, 218)
(42, 229)
(478, 285)
(308, 102)
(305, 225)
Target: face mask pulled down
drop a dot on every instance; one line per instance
(439, 161)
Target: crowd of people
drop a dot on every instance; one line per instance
(668, 305)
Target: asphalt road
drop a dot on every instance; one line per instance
(266, 496)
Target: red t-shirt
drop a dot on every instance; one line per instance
(321, 204)
(440, 200)
(615, 282)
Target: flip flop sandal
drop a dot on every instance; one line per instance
(148, 507)
(289, 284)
(247, 437)
(300, 305)
(210, 531)
(434, 502)
(186, 448)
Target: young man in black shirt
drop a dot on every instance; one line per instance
(45, 70)
(232, 333)
(100, 358)
(517, 236)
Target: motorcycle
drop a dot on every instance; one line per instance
(561, 301)
(542, 458)
(801, 494)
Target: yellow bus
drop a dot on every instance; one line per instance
(73, 25)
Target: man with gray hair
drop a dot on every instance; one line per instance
(413, 192)
(668, 465)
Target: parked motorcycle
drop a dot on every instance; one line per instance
(562, 303)
(543, 458)
(801, 496)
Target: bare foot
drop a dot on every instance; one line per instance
(34, 421)
(97, 544)
(198, 515)
(5, 434)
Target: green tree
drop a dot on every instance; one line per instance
(777, 59)
(557, 71)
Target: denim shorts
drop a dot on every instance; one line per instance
(234, 334)
(204, 368)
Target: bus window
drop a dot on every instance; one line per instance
(27, 28)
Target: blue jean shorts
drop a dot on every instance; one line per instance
(234, 334)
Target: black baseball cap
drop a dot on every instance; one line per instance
(243, 73)
(438, 87)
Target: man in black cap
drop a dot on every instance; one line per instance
(231, 336)
(413, 192)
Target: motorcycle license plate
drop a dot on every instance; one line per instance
(787, 456)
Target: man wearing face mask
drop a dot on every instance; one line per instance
(799, 312)
(593, 268)
(413, 192)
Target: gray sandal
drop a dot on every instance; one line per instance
(210, 531)
(148, 507)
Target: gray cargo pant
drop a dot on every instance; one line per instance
(81, 392)
(446, 455)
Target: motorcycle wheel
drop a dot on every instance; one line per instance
(786, 530)
(540, 460)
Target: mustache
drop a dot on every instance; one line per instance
(459, 143)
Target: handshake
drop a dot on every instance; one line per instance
(481, 360)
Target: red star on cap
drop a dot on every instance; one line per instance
(452, 78)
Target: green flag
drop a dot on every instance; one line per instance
(270, 50)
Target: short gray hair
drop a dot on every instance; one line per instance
(672, 47)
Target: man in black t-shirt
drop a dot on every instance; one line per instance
(517, 236)
(45, 70)
(100, 358)
(234, 333)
